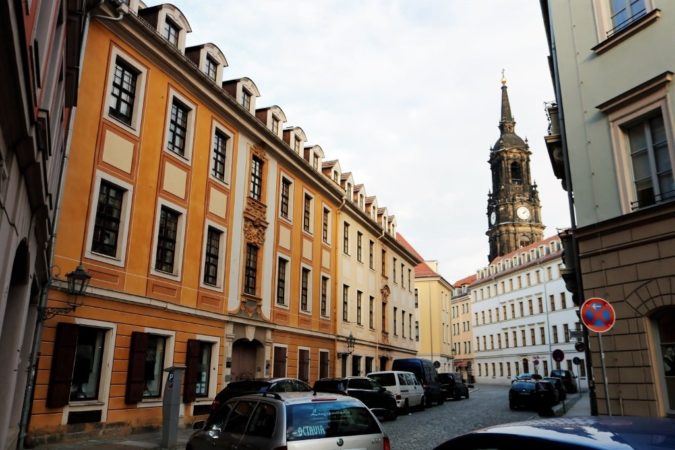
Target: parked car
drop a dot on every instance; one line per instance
(531, 394)
(405, 386)
(370, 392)
(579, 433)
(559, 386)
(568, 379)
(453, 385)
(527, 376)
(244, 387)
(425, 371)
(553, 394)
(290, 420)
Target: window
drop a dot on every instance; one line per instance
(402, 270)
(304, 289)
(371, 308)
(417, 331)
(359, 294)
(650, 160)
(255, 191)
(123, 92)
(393, 270)
(409, 285)
(345, 303)
(212, 256)
(323, 364)
(529, 304)
(563, 301)
(165, 255)
(251, 269)
(371, 257)
(345, 239)
(359, 246)
(506, 339)
(275, 125)
(324, 296)
(303, 365)
(552, 302)
(566, 332)
(279, 369)
(533, 336)
(417, 302)
(541, 304)
(522, 312)
(198, 370)
(246, 99)
(282, 273)
(296, 145)
(178, 126)
(523, 340)
(170, 32)
(554, 333)
(384, 263)
(325, 225)
(395, 321)
(219, 155)
(307, 214)
(285, 198)
(625, 12)
(146, 366)
(108, 217)
(211, 68)
(402, 323)
(542, 334)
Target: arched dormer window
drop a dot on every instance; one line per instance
(273, 117)
(295, 137)
(516, 173)
(313, 155)
(244, 91)
(210, 60)
(169, 22)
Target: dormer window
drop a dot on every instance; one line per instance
(361, 201)
(315, 161)
(296, 145)
(275, 125)
(336, 177)
(211, 68)
(170, 32)
(246, 99)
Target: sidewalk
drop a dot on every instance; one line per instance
(147, 441)
(576, 405)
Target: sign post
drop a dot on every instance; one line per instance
(598, 315)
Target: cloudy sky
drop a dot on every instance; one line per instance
(406, 95)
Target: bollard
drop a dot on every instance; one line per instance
(171, 406)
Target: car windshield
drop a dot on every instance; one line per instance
(318, 420)
(385, 379)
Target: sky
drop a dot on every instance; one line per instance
(406, 95)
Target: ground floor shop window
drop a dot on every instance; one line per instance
(665, 322)
(279, 370)
(146, 367)
(197, 370)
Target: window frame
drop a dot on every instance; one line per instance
(307, 212)
(174, 95)
(123, 232)
(139, 98)
(325, 296)
(288, 199)
(305, 293)
(256, 178)
(220, 279)
(216, 129)
(213, 368)
(180, 240)
(248, 268)
(169, 349)
(169, 25)
(287, 284)
(326, 224)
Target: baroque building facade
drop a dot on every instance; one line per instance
(611, 143)
(513, 210)
(462, 327)
(214, 236)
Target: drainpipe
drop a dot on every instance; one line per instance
(570, 201)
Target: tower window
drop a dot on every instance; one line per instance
(516, 173)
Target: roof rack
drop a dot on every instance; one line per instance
(272, 394)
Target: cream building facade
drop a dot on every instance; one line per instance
(462, 327)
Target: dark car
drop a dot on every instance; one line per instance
(568, 379)
(245, 387)
(425, 371)
(559, 386)
(578, 433)
(453, 386)
(528, 376)
(532, 394)
(290, 421)
(373, 394)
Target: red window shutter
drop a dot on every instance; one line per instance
(63, 361)
(136, 372)
(191, 371)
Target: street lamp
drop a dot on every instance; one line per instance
(351, 341)
(78, 281)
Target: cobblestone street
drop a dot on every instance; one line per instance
(426, 429)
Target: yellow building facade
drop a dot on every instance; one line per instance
(462, 327)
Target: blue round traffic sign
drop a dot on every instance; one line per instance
(598, 315)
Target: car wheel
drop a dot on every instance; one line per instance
(421, 405)
(406, 407)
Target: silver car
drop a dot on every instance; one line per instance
(290, 420)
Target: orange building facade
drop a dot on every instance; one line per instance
(209, 231)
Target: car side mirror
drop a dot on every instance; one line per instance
(198, 425)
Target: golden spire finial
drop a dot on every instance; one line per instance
(503, 78)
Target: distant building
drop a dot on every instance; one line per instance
(522, 312)
(462, 327)
(611, 142)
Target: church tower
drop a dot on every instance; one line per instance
(513, 209)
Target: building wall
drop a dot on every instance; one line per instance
(435, 321)
(462, 332)
(505, 286)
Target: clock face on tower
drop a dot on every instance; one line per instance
(493, 218)
(523, 213)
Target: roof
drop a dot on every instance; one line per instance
(525, 249)
(465, 281)
(422, 270)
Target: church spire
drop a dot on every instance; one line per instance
(507, 124)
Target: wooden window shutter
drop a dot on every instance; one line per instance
(63, 361)
(191, 371)
(136, 372)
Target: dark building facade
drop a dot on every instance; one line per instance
(513, 210)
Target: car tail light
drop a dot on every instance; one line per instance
(386, 445)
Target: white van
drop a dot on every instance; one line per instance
(405, 386)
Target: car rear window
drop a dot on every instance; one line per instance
(385, 379)
(318, 420)
(520, 385)
(248, 386)
(330, 386)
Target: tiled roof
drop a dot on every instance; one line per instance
(465, 281)
(525, 249)
(422, 270)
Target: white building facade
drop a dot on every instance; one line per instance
(522, 313)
